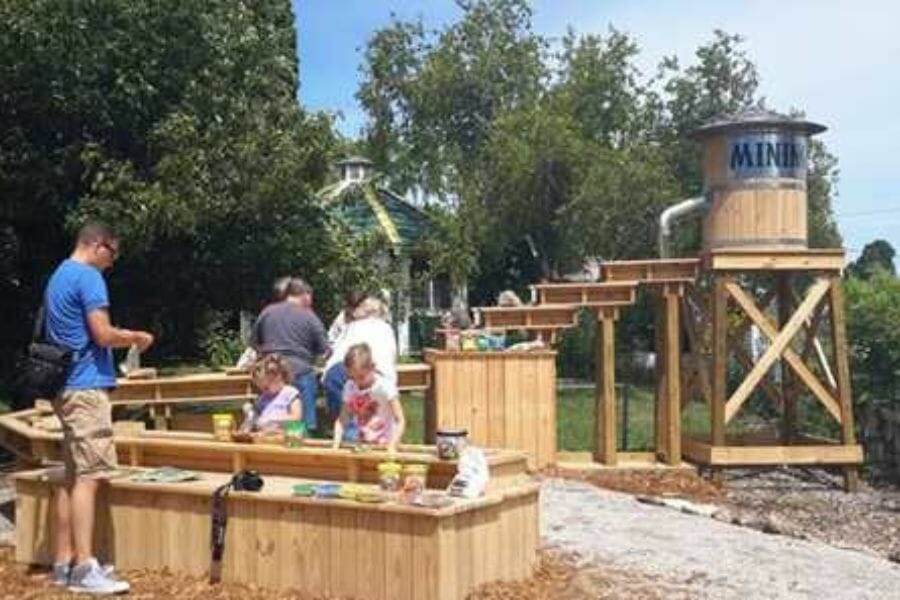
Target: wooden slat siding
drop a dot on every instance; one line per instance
(496, 413)
(479, 398)
(315, 548)
(397, 557)
(344, 567)
(268, 520)
(425, 557)
(465, 570)
(448, 585)
(273, 543)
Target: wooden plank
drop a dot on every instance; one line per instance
(775, 260)
(673, 372)
(398, 547)
(371, 570)
(315, 550)
(448, 553)
(606, 394)
(842, 376)
(496, 413)
(796, 321)
(787, 396)
(425, 560)
(779, 343)
(786, 455)
(720, 359)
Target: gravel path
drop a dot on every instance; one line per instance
(697, 557)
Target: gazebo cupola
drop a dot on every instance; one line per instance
(355, 168)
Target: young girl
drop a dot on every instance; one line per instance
(278, 402)
(372, 399)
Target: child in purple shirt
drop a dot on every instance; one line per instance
(278, 401)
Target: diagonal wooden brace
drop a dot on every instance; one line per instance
(796, 363)
(780, 341)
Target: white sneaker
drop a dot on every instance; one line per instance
(91, 578)
(61, 572)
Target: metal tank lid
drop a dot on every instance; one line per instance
(754, 118)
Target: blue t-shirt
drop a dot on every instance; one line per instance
(76, 289)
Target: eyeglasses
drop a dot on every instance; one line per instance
(114, 252)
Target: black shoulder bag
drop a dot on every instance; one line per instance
(48, 364)
(243, 481)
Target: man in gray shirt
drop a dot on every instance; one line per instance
(291, 329)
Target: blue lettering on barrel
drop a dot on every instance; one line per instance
(741, 157)
(773, 155)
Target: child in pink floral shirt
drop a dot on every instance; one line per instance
(372, 400)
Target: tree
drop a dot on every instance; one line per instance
(876, 256)
(178, 124)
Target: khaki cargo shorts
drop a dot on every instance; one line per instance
(88, 446)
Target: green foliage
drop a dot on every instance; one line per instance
(873, 308)
(221, 342)
(178, 124)
(876, 256)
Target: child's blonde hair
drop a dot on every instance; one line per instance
(271, 364)
(358, 355)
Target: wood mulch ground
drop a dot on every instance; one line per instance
(677, 484)
(555, 577)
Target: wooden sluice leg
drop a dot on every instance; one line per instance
(720, 365)
(659, 404)
(787, 387)
(842, 375)
(672, 410)
(605, 398)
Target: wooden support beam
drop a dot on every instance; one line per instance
(720, 359)
(787, 392)
(779, 347)
(673, 378)
(845, 393)
(659, 347)
(605, 399)
(746, 361)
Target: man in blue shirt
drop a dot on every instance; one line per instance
(77, 316)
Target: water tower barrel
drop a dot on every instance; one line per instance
(755, 174)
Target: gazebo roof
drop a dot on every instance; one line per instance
(366, 206)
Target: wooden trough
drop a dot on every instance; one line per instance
(529, 318)
(200, 451)
(675, 270)
(616, 293)
(162, 395)
(319, 547)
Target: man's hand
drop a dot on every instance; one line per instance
(142, 340)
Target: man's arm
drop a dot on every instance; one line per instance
(104, 334)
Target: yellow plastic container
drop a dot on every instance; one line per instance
(414, 478)
(389, 476)
(223, 424)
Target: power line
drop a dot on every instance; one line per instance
(865, 213)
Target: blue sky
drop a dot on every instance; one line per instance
(838, 61)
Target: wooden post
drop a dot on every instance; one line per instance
(673, 377)
(659, 428)
(720, 366)
(605, 398)
(845, 393)
(788, 392)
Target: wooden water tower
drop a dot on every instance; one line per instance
(765, 277)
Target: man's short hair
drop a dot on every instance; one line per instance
(297, 287)
(95, 232)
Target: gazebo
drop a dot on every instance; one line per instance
(361, 200)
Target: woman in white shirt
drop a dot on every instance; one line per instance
(368, 326)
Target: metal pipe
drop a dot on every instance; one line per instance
(676, 211)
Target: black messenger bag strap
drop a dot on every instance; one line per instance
(219, 509)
